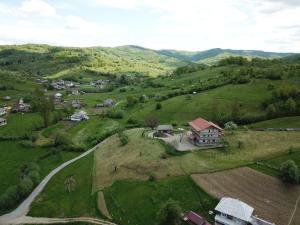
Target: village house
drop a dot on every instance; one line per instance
(21, 106)
(2, 122)
(164, 129)
(2, 111)
(76, 104)
(205, 132)
(75, 92)
(69, 84)
(79, 116)
(230, 211)
(58, 98)
(59, 85)
(194, 219)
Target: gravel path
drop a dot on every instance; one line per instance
(21, 211)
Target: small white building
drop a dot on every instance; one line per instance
(2, 122)
(2, 111)
(232, 211)
(79, 116)
(58, 97)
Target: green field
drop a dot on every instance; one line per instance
(20, 125)
(14, 156)
(55, 201)
(132, 202)
(286, 122)
(180, 109)
(272, 166)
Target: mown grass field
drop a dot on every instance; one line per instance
(141, 157)
(55, 201)
(134, 202)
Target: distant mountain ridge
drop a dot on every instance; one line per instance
(53, 61)
(215, 54)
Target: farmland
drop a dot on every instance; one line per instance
(135, 178)
(273, 200)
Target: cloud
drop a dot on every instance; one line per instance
(37, 7)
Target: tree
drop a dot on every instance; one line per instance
(290, 105)
(170, 213)
(70, 183)
(151, 122)
(271, 110)
(289, 171)
(43, 104)
(131, 101)
(158, 106)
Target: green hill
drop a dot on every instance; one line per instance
(212, 56)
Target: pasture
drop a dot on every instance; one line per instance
(285, 122)
(271, 199)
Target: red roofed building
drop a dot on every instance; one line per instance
(205, 132)
(194, 218)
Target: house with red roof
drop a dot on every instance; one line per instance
(205, 132)
(194, 219)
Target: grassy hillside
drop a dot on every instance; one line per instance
(147, 197)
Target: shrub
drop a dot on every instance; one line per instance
(152, 177)
(289, 171)
(123, 138)
(25, 186)
(158, 106)
(27, 144)
(113, 114)
(10, 197)
(230, 126)
(34, 176)
(169, 213)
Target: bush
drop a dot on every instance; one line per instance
(230, 126)
(289, 171)
(27, 144)
(25, 186)
(152, 177)
(123, 138)
(10, 197)
(34, 176)
(158, 106)
(113, 114)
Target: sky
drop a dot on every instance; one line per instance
(270, 25)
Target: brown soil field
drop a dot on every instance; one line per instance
(271, 199)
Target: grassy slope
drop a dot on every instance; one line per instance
(19, 124)
(271, 166)
(257, 146)
(13, 156)
(138, 202)
(181, 110)
(54, 201)
(285, 122)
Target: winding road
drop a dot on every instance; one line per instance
(18, 216)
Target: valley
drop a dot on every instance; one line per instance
(73, 99)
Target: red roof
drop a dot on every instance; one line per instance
(201, 124)
(196, 219)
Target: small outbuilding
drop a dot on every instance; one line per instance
(194, 219)
(165, 129)
(108, 103)
(2, 122)
(76, 104)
